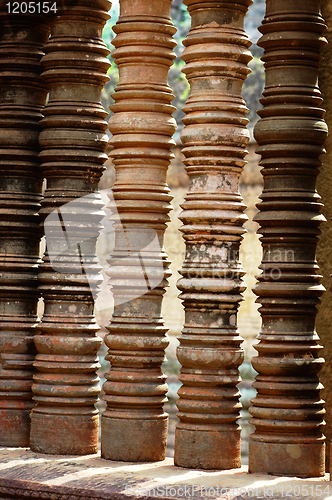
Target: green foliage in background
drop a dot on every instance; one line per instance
(252, 88)
(108, 35)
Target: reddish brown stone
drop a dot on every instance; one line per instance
(288, 411)
(30, 476)
(22, 97)
(73, 142)
(214, 140)
(134, 425)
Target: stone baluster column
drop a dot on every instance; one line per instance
(214, 139)
(73, 141)
(288, 411)
(134, 425)
(22, 97)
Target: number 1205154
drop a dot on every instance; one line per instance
(31, 7)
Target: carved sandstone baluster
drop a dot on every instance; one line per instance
(22, 97)
(134, 425)
(73, 141)
(214, 140)
(288, 412)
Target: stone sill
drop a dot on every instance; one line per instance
(28, 475)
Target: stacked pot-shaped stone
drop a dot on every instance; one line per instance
(22, 97)
(288, 411)
(73, 141)
(214, 140)
(134, 425)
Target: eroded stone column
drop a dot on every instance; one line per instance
(288, 411)
(214, 140)
(324, 247)
(73, 141)
(22, 97)
(134, 425)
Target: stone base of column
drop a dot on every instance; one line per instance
(207, 449)
(134, 440)
(282, 459)
(15, 427)
(64, 434)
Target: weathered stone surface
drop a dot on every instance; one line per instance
(324, 247)
(214, 140)
(288, 411)
(134, 425)
(27, 475)
(251, 185)
(22, 97)
(73, 141)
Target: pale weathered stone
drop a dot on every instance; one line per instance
(214, 140)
